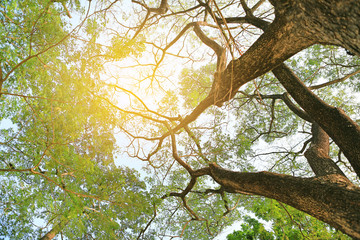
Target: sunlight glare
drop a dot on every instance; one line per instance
(133, 84)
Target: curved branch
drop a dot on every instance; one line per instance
(343, 130)
(148, 224)
(331, 199)
(266, 53)
(334, 81)
(219, 50)
(197, 143)
(318, 154)
(295, 109)
(145, 106)
(175, 154)
(130, 112)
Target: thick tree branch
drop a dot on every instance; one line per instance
(162, 9)
(298, 24)
(344, 131)
(331, 199)
(272, 48)
(341, 128)
(318, 154)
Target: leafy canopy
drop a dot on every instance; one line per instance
(90, 87)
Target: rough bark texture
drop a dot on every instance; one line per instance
(332, 199)
(297, 25)
(280, 41)
(330, 196)
(332, 21)
(318, 154)
(344, 131)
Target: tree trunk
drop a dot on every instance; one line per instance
(330, 23)
(335, 22)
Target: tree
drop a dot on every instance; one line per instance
(252, 229)
(57, 144)
(190, 187)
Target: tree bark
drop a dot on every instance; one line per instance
(344, 131)
(318, 154)
(298, 24)
(280, 41)
(335, 22)
(335, 19)
(332, 198)
(54, 231)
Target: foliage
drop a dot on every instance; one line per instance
(290, 223)
(251, 229)
(286, 223)
(68, 145)
(57, 135)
